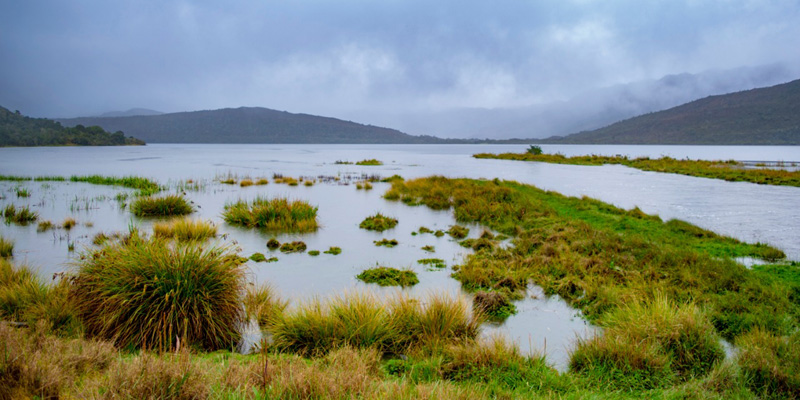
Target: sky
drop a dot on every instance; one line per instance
(357, 57)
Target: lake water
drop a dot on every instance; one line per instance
(747, 211)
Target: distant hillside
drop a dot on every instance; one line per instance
(249, 125)
(766, 116)
(130, 113)
(19, 130)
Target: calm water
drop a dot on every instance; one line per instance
(746, 211)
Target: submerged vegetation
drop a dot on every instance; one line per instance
(378, 222)
(151, 206)
(728, 170)
(386, 276)
(277, 214)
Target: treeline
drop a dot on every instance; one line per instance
(19, 130)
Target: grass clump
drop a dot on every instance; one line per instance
(6, 248)
(386, 242)
(433, 263)
(293, 247)
(333, 250)
(258, 257)
(185, 229)
(370, 161)
(458, 232)
(496, 305)
(68, 223)
(273, 244)
(149, 206)
(246, 182)
(378, 222)
(648, 345)
(278, 214)
(386, 276)
(148, 293)
(20, 216)
(263, 304)
(428, 248)
(770, 364)
(363, 321)
(313, 253)
(44, 226)
(23, 192)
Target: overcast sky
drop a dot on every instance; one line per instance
(82, 57)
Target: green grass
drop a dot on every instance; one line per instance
(370, 161)
(433, 263)
(496, 305)
(263, 304)
(6, 248)
(150, 206)
(144, 186)
(20, 216)
(147, 293)
(726, 170)
(334, 250)
(277, 214)
(273, 244)
(23, 192)
(458, 232)
(386, 242)
(258, 257)
(313, 253)
(770, 364)
(185, 229)
(386, 276)
(378, 222)
(598, 257)
(293, 247)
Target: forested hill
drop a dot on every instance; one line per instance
(249, 125)
(19, 130)
(765, 116)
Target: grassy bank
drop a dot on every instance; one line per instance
(727, 170)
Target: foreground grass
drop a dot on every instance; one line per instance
(727, 170)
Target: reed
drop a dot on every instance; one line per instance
(147, 293)
(68, 223)
(185, 229)
(277, 214)
(458, 232)
(149, 206)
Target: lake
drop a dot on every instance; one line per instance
(754, 213)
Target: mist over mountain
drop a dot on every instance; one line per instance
(247, 125)
(590, 110)
(764, 116)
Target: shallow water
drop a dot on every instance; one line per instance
(746, 211)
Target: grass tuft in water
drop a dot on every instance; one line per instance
(20, 216)
(6, 248)
(185, 229)
(149, 293)
(433, 263)
(278, 214)
(428, 248)
(378, 222)
(386, 242)
(151, 206)
(496, 305)
(273, 244)
(44, 226)
(258, 257)
(144, 186)
(386, 276)
(458, 232)
(334, 250)
(370, 161)
(293, 247)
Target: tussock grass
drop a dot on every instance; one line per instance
(496, 305)
(23, 192)
(370, 161)
(68, 223)
(386, 242)
(273, 244)
(149, 293)
(278, 214)
(727, 170)
(333, 250)
(150, 206)
(362, 321)
(20, 216)
(649, 345)
(458, 231)
(386, 276)
(293, 247)
(433, 263)
(185, 229)
(263, 304)
(770, 364)
(258, 257)
(378, 222)
(44, 226)
(6, 248)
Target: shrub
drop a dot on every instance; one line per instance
(185, 229)
(770, 364)
(535, 150)
(278, 214)
(149, 293)
(313, 253)
(258, 257)
(378, 222)
(385, 276)
(160, 206)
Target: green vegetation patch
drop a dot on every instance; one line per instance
(727, 170)
(293, 247)
(496, 305)
(185, 229)
(378, 222)
(433, 263)
(370, 161)
(313, 253)
(458, 232)
(386, 276)
(770, 364)
(163, 206)
(6, 248)
(277, 214)
(333, 250)
(258, 257)
(147, 293)
(19, 216)
(386, 242)
(273, 244)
